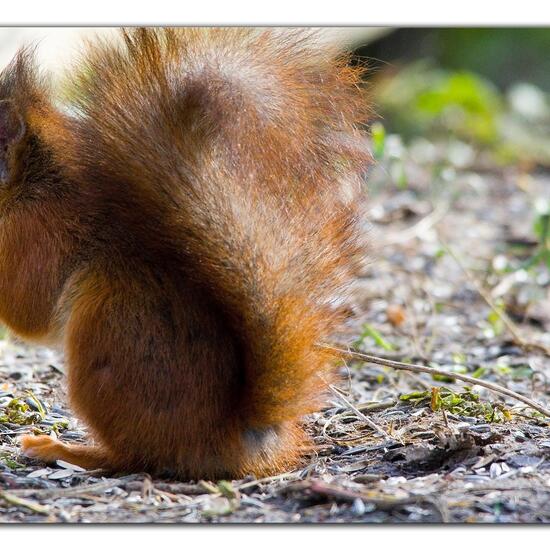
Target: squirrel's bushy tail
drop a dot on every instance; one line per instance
(250, 140)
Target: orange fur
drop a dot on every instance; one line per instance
(187, 232)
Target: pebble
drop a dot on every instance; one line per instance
(245, 499)
(358, 507)
(61, 474)
(481, 428)
(366, 478)
(484, 461)
(520, 461)
(39, 473)
(58, 409)
(469, 419)
(69, 466)
(394, 414)
(32, 404)
(397, 480)
(495, 470)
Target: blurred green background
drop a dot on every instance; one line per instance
(487, 87)
(503, 55)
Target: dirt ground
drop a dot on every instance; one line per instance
(392, 447)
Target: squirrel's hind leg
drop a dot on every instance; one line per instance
(48, 449)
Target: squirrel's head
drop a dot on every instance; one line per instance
(22, 92)
(27, 116)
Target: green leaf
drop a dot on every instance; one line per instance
(227, 489)
(378, 134)
(494, 318)
(371, 332)
(480, 372)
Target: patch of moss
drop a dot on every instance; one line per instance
(18, 412)
(463, 403)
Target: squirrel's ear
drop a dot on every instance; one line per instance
(12, 130)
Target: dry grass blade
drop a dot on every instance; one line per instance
(18, 501)
(364, 418)
(72, 491)
(287, 476)
(398, 365)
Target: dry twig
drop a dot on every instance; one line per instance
(25, 503)
(398, 365)
(364, 418)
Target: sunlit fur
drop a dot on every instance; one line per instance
(185, 227)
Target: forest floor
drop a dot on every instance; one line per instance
(451, 236)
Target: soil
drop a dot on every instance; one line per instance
(438, 452)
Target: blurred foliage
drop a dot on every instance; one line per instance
(368, 331)
(423, 100)
(438, 104)
(542, 231)
(486, 87)
(502, 55)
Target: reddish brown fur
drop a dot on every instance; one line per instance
(187, 234)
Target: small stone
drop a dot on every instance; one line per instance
(32, 404)
(366, 478)
(358, 507)
(495, 470)
(39, 473)
(69, 466)
(481, 428)
(520, 461)
(61, 474)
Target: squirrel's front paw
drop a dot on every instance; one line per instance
(43, 447)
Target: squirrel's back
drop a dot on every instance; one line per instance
(240, 151)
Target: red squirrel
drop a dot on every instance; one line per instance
(185, 226)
